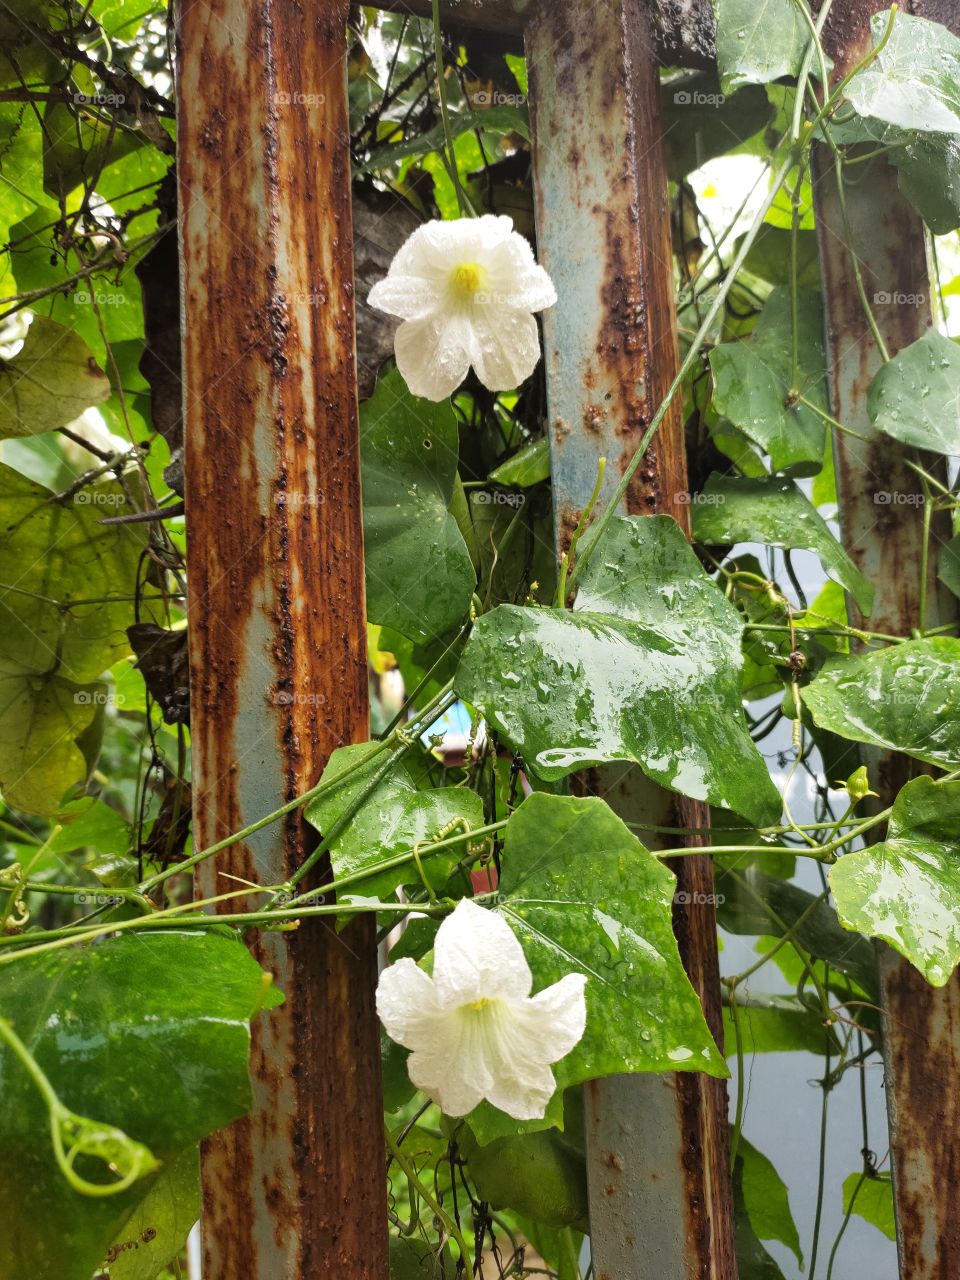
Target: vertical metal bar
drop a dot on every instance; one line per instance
(880, 512)
(276, 609)
(660, 1200)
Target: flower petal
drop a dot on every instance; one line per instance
(515, 279)
(556, 1018)
(520, 1081)
(452, 1069)
(407, 296)
(477, 956)
(433, 355)
(505, 348)
(407, 1003)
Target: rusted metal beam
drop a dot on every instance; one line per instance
(682, 30)
(881, 518)
(276, 604)
(660, 1199)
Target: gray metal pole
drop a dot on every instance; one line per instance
(660, 1197)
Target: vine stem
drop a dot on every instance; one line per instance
(466, 208)
(412, 1177)
(597, 530)
(389, 743)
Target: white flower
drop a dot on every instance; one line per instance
(474, 1031)
(465, 291)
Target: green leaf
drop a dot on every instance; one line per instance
(929, 177)
(54, 555)
(701, 123)
(872, 1199)
(528, 466)
(495, 119)
(49, 382)
(914, 81)
(753, 1261)
(146, 1032)
(774, 511)
(757, 43)
(915, 397)
(79, 143)
(769, 256)
(766, 1199)
(156, 1230)
(775, 1024)
(754, 379)
(540, 1175)
(91, 823)
(776, 905)
(413, 1259)
(949, 565)
(43, 720)
(393, 819)
(645, 668)
(903, 698)
(584, 896)
(419, 574)
(907, 889)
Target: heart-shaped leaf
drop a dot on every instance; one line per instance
(757, 388)
(903, 698)
(419, 573)
(147, 1032)
(393, 819)
(758, 43)
(51, 380)
(67, 582)
(914, 81)
(584, 896)
(915, 397)
(774, 511)
(646, 668)
(42, 722)
(907, 889)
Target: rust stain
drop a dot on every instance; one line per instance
(278, 662)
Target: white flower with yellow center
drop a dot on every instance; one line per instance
(466, 292)
(474, 1031)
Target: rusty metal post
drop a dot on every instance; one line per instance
(921, 1024)
(660, 1198)
(276, 604)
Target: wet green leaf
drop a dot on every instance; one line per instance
(585, 896)
(903, 698)
(915, 397)
(775, 905)
(700, 122)
(43, 720)
(776, 512)
(540, 1175)
(775, 1024)
(949, 567)
(753, 1261)
(157, 1229)
(66, 581)
(766, 1200)
(872, 1199)
(147, 1032)
(528, 466)
(392, 820)
(753, 380)
(914, 82)
(645, 668)
(419, 574)
(907, 889)
(757, 43)
(49, 382)
(769, 256)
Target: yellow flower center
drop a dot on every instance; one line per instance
(477, 1005)
(467, 278)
